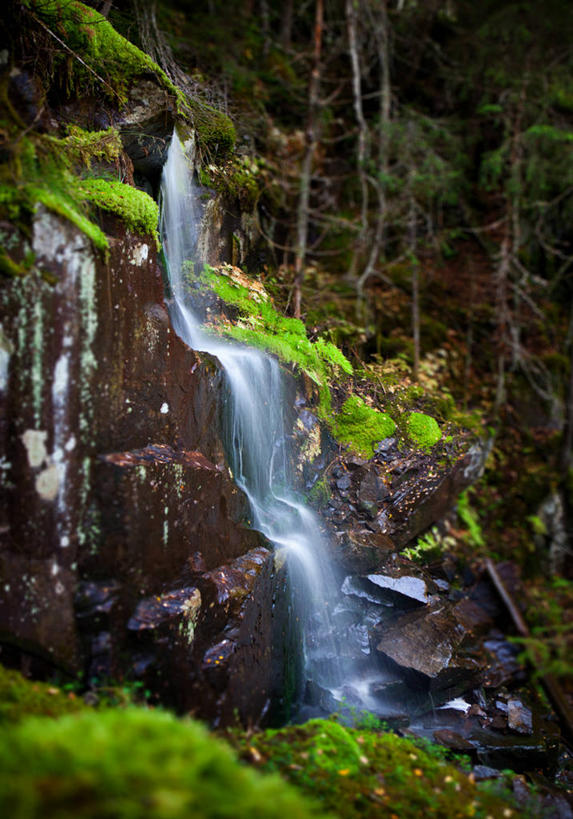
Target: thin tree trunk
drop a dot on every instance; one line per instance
(306, 171)
(362, 153)
(380, 26)
(266, 26)
(286, 23)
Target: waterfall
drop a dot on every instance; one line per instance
(256, 434)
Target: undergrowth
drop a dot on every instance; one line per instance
(133, 763)
(363, 773)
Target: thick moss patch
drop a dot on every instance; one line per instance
(55, 172)
(423, 430)
(109, 62)
(133, 763)
(361, 426)
(20, 698)
(260, 325)
(363, 773)
(135, 208)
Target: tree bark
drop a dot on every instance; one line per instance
(362, 152)
(306, 170)
(380, 27)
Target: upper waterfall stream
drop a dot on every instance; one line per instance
(256, 437)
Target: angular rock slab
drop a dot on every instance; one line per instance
(426, 642)
(216, 649)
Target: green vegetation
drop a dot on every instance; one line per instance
(429, 547)
(132, 763)
(361, 426)
(21, 698)
(55, 172)
(100, 59)
(549, 650)
(363, 773)
(260, 325)
(320, 493)
(469, 518)
(423, 430)
(135, 208)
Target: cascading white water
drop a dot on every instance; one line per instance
(256, 434)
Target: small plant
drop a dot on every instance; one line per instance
(429, 546)
(469, 518)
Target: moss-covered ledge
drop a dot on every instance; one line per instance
(358, 420)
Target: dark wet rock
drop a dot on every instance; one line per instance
(386, 446)
(96, 598)
(146, 125)
(361, 550)
(89, 505)
(153, 611)
(165, 504)
(519, 717)
(224, 640)
(483, 772)
(344, 482)
(503, 667)
(472, 617)
(370, 491)
(442, 585)
(423, 495)
(517, 753)
(427, 641)
(453, 741)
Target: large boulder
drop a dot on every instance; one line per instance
(115, 489)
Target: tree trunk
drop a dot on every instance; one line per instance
(380, 28)
(306, 170)
(286, 23)
(362, 153)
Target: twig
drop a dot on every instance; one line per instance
(552, 687)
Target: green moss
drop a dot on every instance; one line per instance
(260, 325)
(21, 698)
(86, 146)
(361, 426)
(61, 201)
(239, 178)
(133, 763)
(320, 493)
(102, 49)
(135, 208)
(44, 169)
(423, 430)
(362, 773)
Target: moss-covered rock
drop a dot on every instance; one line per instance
(94, 54)
(56, 173)
(423, 430)
(261, 325)
(133, 763)
(361, 426)
(21, 698)
(138, 211)
(364, 773)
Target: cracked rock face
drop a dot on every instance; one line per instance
(117, 512)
